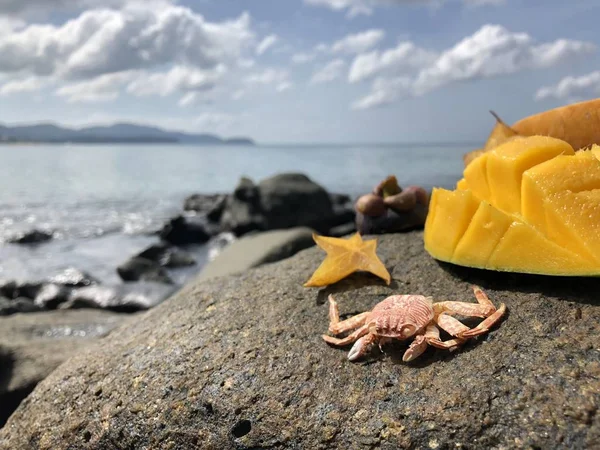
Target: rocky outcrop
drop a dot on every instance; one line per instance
(167, 255)
(33, 345)
(238, 362)
(284, 201)
(142, 269)
(184, 231)
(31, 237)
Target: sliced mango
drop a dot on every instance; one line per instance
(507, 162)
(450, 213)
(523, 249)
(529, 205)
(487, 227)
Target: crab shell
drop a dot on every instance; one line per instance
(400, 316)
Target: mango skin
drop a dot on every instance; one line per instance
(531, 205)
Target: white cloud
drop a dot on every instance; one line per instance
(268, 76)
(179, 78)
(384, 91)
(16, 86)
(332, 71)
(490, 52)
(266, 44)
(582, 87)
(302, 58)
(356, 8)
(284, 86)
(493, 51)
(108, 41)
(104, 88)
(406, 56)
(238, 94)
(20, 8)
(359, 42)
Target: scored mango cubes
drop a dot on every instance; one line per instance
(530, 205)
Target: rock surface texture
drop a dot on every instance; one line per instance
(238, 362)
(33, 345)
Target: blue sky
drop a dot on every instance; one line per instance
(297, 70)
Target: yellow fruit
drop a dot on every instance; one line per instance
(529, 205)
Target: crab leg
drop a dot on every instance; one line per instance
(483, 308)
(486, 324)
(336, 326)
(432, 334)
(415, 349)
(348, 339)
(361, 346)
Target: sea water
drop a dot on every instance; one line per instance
(102, 201)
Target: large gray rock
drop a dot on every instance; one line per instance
(239, 362)
(261, 248)
(33, 345)
(293, 199)
(283, 201)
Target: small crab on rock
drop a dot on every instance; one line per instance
(403, 317)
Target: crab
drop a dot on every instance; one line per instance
(416, 317)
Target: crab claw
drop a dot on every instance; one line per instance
(361, 347)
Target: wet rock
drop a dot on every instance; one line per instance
(121, 298)
(33, 345)
(142, 269)
(73, 277)
(51, 295)
(242, 211)
(31, 237)
(28, 289)
(293, 199)
(184, 231)
(284, 201)
(211, 205)
(239, 362)
(17, 305)
(167, 255)
(219, 243)
(8, 288)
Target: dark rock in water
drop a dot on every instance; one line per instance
(28, 289)
(8, 288)
(283, 201)
(212, 205)
(242, 211)
(293, 199)
(184, 231)
(239, 362)
(142, 269)
(17, 305)
(121, 298)
(33, 345)
(31, 237)
(74, 278)
(219, 243)
(167, 255)
(51, 295)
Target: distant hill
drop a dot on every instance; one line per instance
(117, 133)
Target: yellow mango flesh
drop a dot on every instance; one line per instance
(530, 205)
(507, 162)
(455, 209)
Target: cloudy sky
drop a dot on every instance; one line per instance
(297, 70)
